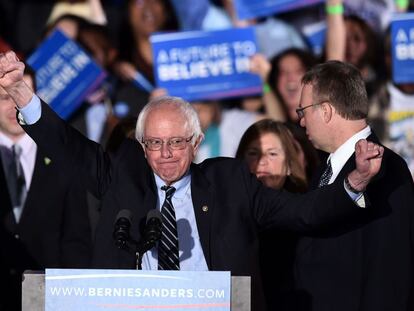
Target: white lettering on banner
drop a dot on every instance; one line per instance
(195, 70)
(204, 61)
(60, 70)
(404, 47)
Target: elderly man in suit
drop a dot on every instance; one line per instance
(367, 264)
(212, 212)
(44, 218)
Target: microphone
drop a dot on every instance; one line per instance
(122, 225)
(152, 231)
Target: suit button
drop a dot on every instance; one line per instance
(16, 236)
(13, 272)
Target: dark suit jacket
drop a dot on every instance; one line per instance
(53, 231)
(367, 266)
(238, 204)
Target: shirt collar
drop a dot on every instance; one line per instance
(345, 151)
(25, 142)
(181, 186)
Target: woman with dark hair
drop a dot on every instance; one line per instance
(284, 78)
(362, 51)
(272, 154)
(142, 18)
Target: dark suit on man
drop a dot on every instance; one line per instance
(368, 266)
(53, 231)
(238, 205)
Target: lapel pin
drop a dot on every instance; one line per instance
(47, 160)
(205, 208)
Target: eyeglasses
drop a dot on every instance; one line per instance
(175, 143)
(300, 112)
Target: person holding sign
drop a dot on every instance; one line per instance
(216, 209)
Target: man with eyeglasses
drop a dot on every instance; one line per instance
(367, 264)
(213, 210)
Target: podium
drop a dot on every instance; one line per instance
(33, 292)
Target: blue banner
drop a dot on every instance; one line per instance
(247, 9)
(315, 35)
(65, 74)
(93, 290)
(402, 48)
(199, 65)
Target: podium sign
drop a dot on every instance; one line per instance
(92, 290)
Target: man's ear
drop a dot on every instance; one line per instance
(328, 111)
(145, 150)
(198, 142)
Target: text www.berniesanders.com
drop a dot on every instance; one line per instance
(137, 292)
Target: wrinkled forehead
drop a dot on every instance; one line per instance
(166, 118)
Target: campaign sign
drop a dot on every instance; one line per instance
(315, 36)
(92, 290)
(199, 65)
(402, 48)
(246, 9)
(65, 74)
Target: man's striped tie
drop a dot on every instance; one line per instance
(168, 256)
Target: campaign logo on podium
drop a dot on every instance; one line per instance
(202, 65)
(93, 290)
(65, 73)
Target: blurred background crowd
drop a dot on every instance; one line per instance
(116, 34)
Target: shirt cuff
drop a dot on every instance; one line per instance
(358, 198)
(31, 113)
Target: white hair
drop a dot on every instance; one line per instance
(192, 123)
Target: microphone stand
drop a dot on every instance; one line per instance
(142, 247)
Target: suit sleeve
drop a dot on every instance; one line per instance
(55, 137)
(324, 207)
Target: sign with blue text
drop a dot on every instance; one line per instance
(93, 290)
(65, 73)
(200, 65)
(402, 48)
(247, 9)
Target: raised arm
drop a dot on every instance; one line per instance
(335, 32)
(273, 107)
(56, 138)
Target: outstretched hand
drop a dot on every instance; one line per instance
(11, 79)
(368, 158)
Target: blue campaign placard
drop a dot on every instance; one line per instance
(247, 9)
(93, 290)
(402, 48)
(315, 35)
(65, 73)
(201, 65)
